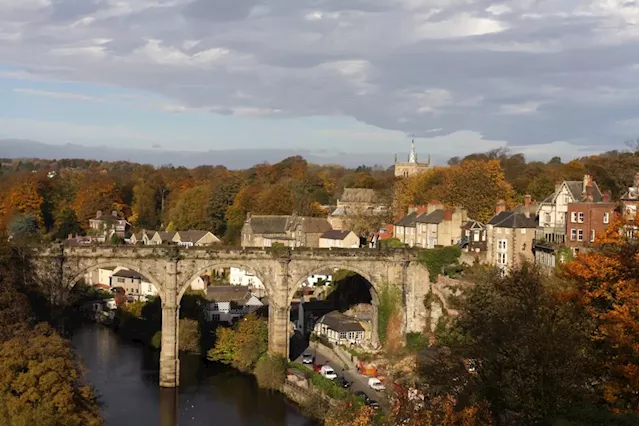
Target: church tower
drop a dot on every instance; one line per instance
(412, 166)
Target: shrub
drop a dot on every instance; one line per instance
(437, 259)
(156, 340)
(270, 371)
(189, 335)
(416, 341)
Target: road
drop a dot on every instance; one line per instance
(358, 381)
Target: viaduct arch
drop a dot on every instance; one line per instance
(172, 269)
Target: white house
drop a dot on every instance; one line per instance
(228, 303)
(241, 277)
(314, 280)
(339, 239)
(136, 286)
(100, 276)
(339, 328)
(195, 238)
(198, 283)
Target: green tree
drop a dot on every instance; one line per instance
(191, 209)
(243, 345)
(189, 335)
(223, 193)
(145, 205)
(67, 224)
(24, 228)
(270, 371)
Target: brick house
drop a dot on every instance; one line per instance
(586, 220)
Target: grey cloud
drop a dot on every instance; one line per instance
(568, 75)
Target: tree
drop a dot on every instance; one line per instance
(66, 224)
(607, 285)
(189, 335)
(223, 192)
(533, 355)
(24, 228)
(243, 345)
(22, 198)
(191, 209)
(275, 200)
(270, 371)
(145, 205)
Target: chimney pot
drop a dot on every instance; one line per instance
(500, 206)
(606, 196)
(448, 215)
(527, 200)
(99, 213)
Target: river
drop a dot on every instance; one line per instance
(125, 377)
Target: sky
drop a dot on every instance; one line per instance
(542, 77)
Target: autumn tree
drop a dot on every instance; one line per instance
(66, 223)
(223, 192)
(607, 285)
(97, 192)
(22, 198)
(275, 200)
(243, 345)
(145, 205)
(191, 209)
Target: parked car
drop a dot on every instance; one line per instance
(371, 403)
(307, 358)
(328, 372)
(376, 384)
(343, 382)
(362, 395)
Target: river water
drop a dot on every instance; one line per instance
(125, 377)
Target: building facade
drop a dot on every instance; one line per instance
(289, 231)
(586, 221)
(108, 225)
(411, 167)
(135, 285)
(229, 303)
(339, 328)
(194, 238)
(510, 236)
(339, 239)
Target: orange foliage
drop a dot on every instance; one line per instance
(21, 198)
(607, 280)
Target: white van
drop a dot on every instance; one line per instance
(376, 384)
(328, 372)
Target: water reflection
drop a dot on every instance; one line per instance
(125, 376)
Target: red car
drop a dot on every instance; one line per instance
(317, 367)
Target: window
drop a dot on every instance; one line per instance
(580, 232)
(343, 335)
(498, 230)
(120, 280)
(605, 219)
(580, 217)
(476, 236)
(502, 259)
(215, 317)
(547, 218)
(573, 234)
(507, 231)
(502, 245)
(574, 217)
(523, 231)
(593, 235)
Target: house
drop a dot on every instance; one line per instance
(440, 227)
(107, 225)
(200, 283)
(405, 228)
(339, 328)
(162, 237)
(194, 238)
(630, 201)
(510, 235)
(356, 202)
(339, 239)
(289, 231)
(552, 211)
(100, 276)
(228, 303)
(135, 285)
(142, 237)
(587, 220)
(240, 277)
(474, 236)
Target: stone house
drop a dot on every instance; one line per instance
(100, 276)
(405, 228)
(339, 328)
(510, 236)
(440, 227)
(587, 220)
(356, 202)
(194, 238)
(228, 303)
(339, 239)
(135, 285)
(162, 237)
(288, 230)
(142, 237)
(107, 225)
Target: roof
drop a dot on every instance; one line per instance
(108, 218)
(229, 293)
(408, 220)
(126, 273)
(192, 235)
(359, 195)
(165, 235)
(511, 219)
(436, 216)
(281, 224)
(340, 322)
(335, 234)
(575, 188)
(473, 224)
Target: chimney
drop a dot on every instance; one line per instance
(586, 181)
(588, 195)
(527, 201)
(98, 214)
(606, 196)
(558, 185)
(422, 209)
(411, 209)
(70, 236)
(501, 206)
(114, 213)
(448, 215)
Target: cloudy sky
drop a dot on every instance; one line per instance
(545, 77)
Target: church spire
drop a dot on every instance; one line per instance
(413, 157)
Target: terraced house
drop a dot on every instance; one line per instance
(287, 230)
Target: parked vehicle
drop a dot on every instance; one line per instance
(327, 371)
(343, 382)
(371, 403)
(376, 384)
(307, 358)
(317, 367)
(362, 395)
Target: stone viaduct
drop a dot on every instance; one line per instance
(171, 269)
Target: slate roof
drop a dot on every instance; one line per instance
(340, 322)
(436, 217)
(409, 220)
(335, 234)
(166, 235)
(359, 195)
(510, 219)
(281, 224)
(126, 273)
(229, 293)
(575, 187)
(191, 236)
